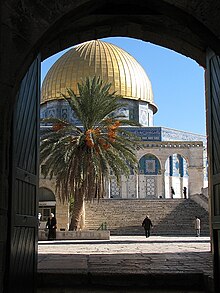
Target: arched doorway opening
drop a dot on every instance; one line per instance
(47, 205)
(176, 176)
(118, 194)
(184, 29)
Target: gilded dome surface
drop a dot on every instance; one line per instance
(103, 59)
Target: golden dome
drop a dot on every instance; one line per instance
(99, 58)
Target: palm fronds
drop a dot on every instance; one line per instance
(81, 158)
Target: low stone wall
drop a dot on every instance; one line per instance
(202, 200)
(77, 235)
(205, 191)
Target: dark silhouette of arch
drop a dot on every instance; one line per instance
(45, 194)
(189, 28)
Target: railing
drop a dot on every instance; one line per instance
(103, 226)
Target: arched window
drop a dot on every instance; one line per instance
(149, 165)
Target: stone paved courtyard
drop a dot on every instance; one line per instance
(127, 256)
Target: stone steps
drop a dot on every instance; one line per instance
(124, 217)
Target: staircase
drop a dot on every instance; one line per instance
(125, 216)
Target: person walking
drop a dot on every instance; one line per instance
(197, 226)
(184, 192)
(39, 218)
(51, 225)
(147, 224)
(172, 191)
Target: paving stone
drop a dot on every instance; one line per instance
(124, 259)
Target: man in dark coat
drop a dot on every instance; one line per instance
(52, 226)
(172, 191)
(147, 224)
(184, 191)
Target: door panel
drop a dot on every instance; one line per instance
(22, 244)
(213, 126)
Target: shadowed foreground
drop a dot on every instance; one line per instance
(126, 264)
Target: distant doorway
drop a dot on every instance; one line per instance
(47, 205)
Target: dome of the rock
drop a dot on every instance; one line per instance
(103, 59)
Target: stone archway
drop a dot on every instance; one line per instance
(27, 29)
(47, 205)
(176, 176)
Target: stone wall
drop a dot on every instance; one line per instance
(76, 235)
(28, 28)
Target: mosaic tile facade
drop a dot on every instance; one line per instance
(60, 109)
(114, 189)
(150, 186)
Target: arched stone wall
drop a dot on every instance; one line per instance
(28, 29)
(31, 27)
(187, 28)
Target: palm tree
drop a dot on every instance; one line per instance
(81, 158)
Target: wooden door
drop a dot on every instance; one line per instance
(22, 244)
(213, 127)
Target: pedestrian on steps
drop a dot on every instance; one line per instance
(147, 224)
(197, 226)
(184, 192)
(172, 191)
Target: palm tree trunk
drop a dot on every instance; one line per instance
(82, 218)
(78, 215)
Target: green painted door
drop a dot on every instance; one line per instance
(22, 243)
(213, 127)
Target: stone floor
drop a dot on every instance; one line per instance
(133, 262)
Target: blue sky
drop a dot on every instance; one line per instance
(177, 82)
